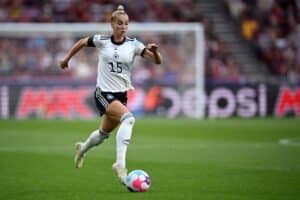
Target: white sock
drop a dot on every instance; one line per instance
(123, 138)
(95, 138)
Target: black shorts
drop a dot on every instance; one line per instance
(103, 99)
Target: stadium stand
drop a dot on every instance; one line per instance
(273, 29)
(220, 64)
(270, 26)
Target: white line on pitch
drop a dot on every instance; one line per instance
(290, 141)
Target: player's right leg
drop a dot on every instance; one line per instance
(96, 138)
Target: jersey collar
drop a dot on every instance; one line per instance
(117, 43)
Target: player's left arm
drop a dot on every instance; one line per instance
(152, 54)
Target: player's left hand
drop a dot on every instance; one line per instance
(152, 47)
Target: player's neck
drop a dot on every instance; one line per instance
(118, 39)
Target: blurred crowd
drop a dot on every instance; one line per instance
(39, 56)
(36, 57)
(272, 26)
(97, 10)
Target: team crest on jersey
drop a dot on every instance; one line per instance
(116, 55)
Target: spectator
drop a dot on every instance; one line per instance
(274, 31)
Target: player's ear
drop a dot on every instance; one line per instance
(112, 23)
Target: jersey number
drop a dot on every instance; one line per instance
(116, 68)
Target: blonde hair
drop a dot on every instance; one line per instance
(120, 10)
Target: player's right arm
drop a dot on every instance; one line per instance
(75, 48)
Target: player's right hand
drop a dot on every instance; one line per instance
(63, 64)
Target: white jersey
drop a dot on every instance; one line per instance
(115, 62)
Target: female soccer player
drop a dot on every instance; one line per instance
(116, 57)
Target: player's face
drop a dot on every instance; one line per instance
(120, 25)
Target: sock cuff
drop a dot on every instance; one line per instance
(103, 134)
(126, 116)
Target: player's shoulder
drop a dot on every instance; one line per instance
(105, 37)
(134, 40)
(129, 39)
(102, 37)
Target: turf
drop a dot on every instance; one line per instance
(186, 159)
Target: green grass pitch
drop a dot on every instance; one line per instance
(186, 159)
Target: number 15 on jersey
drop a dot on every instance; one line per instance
(116, 67)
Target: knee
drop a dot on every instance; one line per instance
(128, 118)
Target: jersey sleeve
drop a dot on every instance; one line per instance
(95, 41)
(139, 47)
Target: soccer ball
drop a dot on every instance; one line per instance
(138, 181)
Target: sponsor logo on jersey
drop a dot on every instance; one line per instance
(109, 96)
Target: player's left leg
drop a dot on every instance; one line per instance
(118, 111)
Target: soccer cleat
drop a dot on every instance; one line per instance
(79, 156)
(120, 172)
